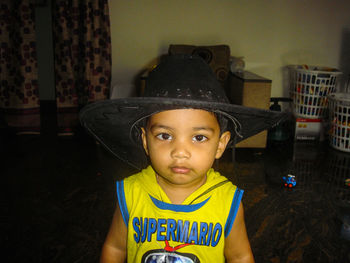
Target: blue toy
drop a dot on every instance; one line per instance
(289, 181)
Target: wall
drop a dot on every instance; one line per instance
(269, 34)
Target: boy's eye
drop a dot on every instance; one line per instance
(164, 136)
(199, 138)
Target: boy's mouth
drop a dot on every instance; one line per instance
(180, 170)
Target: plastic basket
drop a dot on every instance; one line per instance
(339, 112)
(309, 88)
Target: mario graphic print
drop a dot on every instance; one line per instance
(169, 255)
(187, 233)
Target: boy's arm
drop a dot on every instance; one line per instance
(114, 247)
(237, 247)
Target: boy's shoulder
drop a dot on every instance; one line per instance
(146, 174)
(217, 187)
(215, 177)
(145, 179)
(219, 182)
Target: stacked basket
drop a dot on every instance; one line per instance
(309, 88)
(339, 109)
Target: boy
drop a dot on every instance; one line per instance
(177, 209)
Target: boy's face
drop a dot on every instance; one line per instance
(183, 144)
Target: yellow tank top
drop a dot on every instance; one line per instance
(159, 231)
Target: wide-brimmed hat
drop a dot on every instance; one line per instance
(179, 81)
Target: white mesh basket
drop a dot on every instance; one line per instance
(339, 112)
(309, 87)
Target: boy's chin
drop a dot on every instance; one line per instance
(183, 180)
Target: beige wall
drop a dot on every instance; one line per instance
(269, 34)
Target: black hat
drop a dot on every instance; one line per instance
(179, 81)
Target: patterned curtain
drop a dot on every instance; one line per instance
(82, 43)
(19, 95)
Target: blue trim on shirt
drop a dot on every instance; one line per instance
(122, 202)
(233, 211)
(177, 208)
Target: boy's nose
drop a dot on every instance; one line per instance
(180, 151)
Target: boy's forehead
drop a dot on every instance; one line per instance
(182, 112)
(195, 115)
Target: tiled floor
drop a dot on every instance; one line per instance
(309, 223)
(58, 198)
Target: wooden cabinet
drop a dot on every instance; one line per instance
(249, 89)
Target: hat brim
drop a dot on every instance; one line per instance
(111, 122)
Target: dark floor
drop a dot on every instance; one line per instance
(58, 197)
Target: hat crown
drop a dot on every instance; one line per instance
(184, 77)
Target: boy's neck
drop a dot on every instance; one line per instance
(178, 193)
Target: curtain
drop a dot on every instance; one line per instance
(82, 48)
(19, 95)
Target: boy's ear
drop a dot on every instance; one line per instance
(144, 139)
(223, 141)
